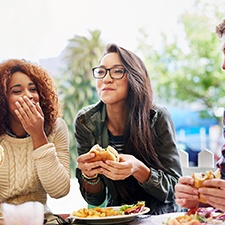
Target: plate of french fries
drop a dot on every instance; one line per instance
(110, 215)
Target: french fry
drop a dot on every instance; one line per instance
(96, 212)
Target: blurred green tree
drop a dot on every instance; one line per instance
(77, 88)
(186, 67)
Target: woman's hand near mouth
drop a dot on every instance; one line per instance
(32, 120)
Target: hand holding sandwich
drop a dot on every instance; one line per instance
(113, 165)
(211, 192)
(89, 163)
(214, 192)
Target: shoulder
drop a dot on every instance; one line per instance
(60, 123)
(60, 126)
(161, 116)
(89, 111)
(159, 111)
(60, 130)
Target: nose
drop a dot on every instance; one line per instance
(107, 77)
(28, 94)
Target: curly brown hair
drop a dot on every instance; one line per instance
(48, 97)
(220, 28)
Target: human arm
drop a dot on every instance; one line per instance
(127, 166)
(161, 182)
(32, 120)
(52, 161)
(86, 138)
(213, 191)
(157, 182)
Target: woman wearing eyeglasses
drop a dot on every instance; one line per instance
(143, 133)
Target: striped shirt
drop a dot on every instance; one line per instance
(116, 142)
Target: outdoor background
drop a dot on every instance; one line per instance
(175, 38)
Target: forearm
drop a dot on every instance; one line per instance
(92, 186)
(39, 140)
(142, 172)
(94, 194)
(53, 173)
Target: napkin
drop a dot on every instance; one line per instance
(29, 213)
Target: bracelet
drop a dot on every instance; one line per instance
(91, 181)
(89, 178)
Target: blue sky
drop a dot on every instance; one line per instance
(35, 29)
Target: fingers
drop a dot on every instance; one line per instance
(217, 203)
(85, 157)
(115, 170)
(186, 195)
(88, 168)
(215, 183)
(30, 115)
(188, 180)
(216, 193)
(187, 203)
(39, 109)
(26, 109)
(186, 192)
(214, 197)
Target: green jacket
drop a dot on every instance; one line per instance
(158, 190)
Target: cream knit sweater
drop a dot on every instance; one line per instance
(29, 175)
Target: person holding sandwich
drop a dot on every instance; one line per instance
(213, 190)
(147, 165)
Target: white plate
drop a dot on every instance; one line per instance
(162, 219)
(112, 219)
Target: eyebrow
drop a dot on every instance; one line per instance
(112, 66)
(19, 85)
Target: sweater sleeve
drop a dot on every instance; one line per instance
(53, 162)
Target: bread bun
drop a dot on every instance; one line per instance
(1, 154)
(103, 154)
(199, 178)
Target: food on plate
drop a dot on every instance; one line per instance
(199, 178)
(198, 216)
(99, 212)
(96, 212)
(1, 154)
(131, 209)
(183, 220)
(104, 154)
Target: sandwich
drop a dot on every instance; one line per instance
(1, 154)
(103, 154)
(199, 178)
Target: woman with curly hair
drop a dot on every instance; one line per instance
(142, 132)
(34, 137)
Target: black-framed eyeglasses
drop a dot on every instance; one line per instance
(116, 72)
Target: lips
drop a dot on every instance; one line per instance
(107, 89)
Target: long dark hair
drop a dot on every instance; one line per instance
(139, 137)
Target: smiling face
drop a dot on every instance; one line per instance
(19, 86)
(112, 91)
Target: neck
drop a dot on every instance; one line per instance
(17, 129)
(116, 118)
